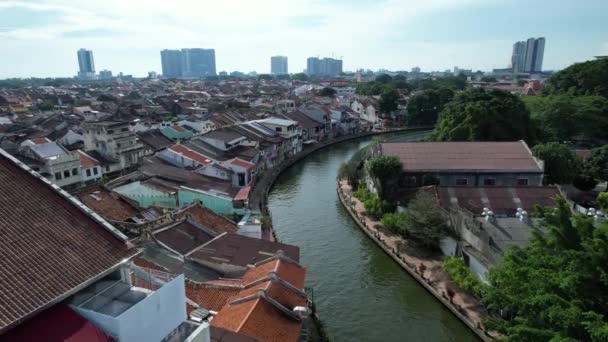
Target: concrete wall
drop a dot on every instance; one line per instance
(501, 179)
(218, 203)
(147, 196)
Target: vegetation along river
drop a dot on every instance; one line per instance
(361, 294)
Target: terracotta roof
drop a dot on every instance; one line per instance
(222, 335)
(110, 206)
(155, 139)
(49, 246)
(85, 159)
(190, 154)
(243, 194)
(264, 310)
(40, 140)
(239, 162)
(582, 153)
(207, 218)
(463, 156)
(210, 296)
(178, 128)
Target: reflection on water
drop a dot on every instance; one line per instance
(361, 293)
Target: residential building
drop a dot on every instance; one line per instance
(86, 65)
(518, 58)
(176, 133)
(323, 67)
(90, 168)
(287, 129)
(78, 282)
(113, 142)
(490, 219)
(278, 65)
(465, 163)
(368, 110)
(171, 61)
(528, 56)
(198, 63)
(52, 161)
(105, 75)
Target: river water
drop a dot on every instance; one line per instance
(361, 294)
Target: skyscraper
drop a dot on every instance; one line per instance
(278, 65)
(198, 62)
(528, 56)
(188, 63)
(171, 61)
(86, 65)
(518, 58)
(323, 67)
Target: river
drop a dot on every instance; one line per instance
(361, 294)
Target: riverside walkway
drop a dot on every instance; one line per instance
(425, 267)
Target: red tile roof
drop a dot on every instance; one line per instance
(264, 310)
(243, 194)
(49, 246)
(110, 206)
(190, 154)
(463, 156)
(178, 128)
(85, 159)
(40, 140)
(239, 162)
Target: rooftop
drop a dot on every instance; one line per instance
(207, 218)
(463, 156)
(107, 204)
(190, 154)
(52, 244)
(183, 236)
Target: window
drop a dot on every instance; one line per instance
(74, 172)
(118, 145)
(461, 181)
(66, 173)
(110, 131)
(108, 168)
(95, 170)
(522, 181)
(489, 181)
(278, 129)
(88, 172)
(125, 129)
(57, 175)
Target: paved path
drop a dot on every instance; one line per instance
(414, 256)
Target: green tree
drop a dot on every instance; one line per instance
(389, 101)
(372, 88)
(588, 78)
(602, 200)
(351, 172)
(266, 77)
(556, 288)
(480, 115)
(462, 275)
(424, 220)
(597, 163)
(489, 79)
(383, 78)
(328, 92)
(44, 106)
(394, 222)
(561, 165)
(106, 98)
(300, 77)
(424, 108)
(134, 95)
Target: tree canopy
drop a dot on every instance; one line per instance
(389, 101)
(588, 78)
(424, 220)
(561, 165)
(328, 92)
(556, 288)
(597, 163)
(482, 115)
(424, 108)
(299, 77)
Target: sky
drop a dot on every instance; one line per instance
(40, 38)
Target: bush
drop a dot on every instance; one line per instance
(602, 200)
(350, 171)
(362, 194)
(375, 206)
(462, 275)
(394, 222)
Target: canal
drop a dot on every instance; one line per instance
(361, 293)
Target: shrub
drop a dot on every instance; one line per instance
(462, 275)
(394, 222)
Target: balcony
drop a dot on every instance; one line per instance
(147, 306)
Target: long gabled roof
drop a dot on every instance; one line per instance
(51, 245)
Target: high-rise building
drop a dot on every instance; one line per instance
(171, 61)
(105, 75)
(198, 62)
(528, 56)
(86, 65)
(518, 58)
(323, 67)
(278, 65)
(188, 63)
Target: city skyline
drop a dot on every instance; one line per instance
(435, 35)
